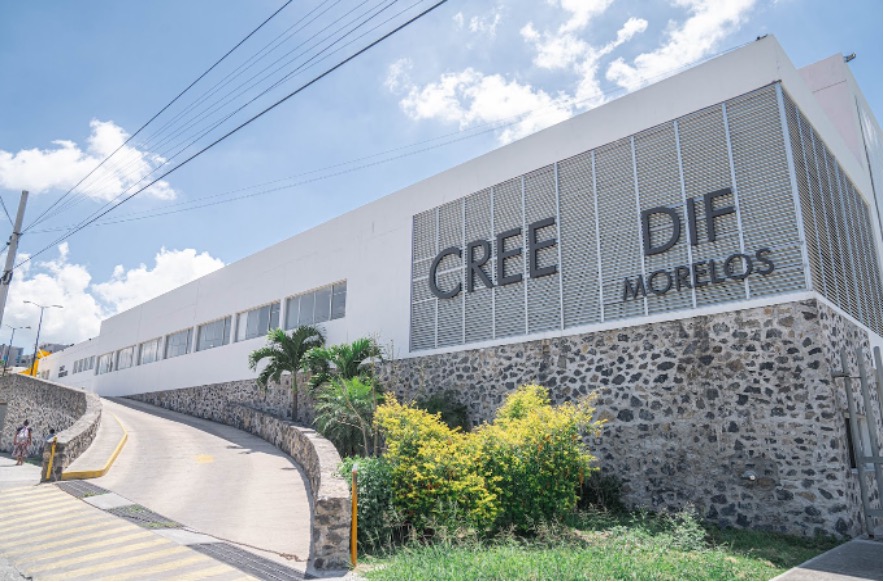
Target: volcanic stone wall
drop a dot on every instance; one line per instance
(694, 408)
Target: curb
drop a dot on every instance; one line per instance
(95, 473)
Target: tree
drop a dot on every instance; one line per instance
(285, 353)
(345, 413)
(344, 361)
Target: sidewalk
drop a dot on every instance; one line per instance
(858, 559)
(14, 476)
(101, 454)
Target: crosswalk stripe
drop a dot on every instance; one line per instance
(53, 529)
(112, 565)
(18, 491)
(34, 524)
(143, 573)
(42, 557)
(158, 541)
(55, 543)
(209, 572)
(36, 507)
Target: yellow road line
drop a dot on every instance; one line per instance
(143, 573)
(48, 527)
(95, 473)
(209, 572)
(69, 540)
(44, 524)
(102, 543)
(112, 565)
(158, 541)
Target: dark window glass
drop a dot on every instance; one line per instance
(322, 308)
(305, 316)
(339, 300)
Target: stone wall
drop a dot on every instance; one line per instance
(243, 405)
(74, 414)
(694, 408)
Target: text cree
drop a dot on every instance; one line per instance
(737, 266)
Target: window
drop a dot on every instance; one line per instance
(126, 358)
(178, 344)
(105, 363)
(257, 322)
(213, 334)
(317, 306)
(84, 364)
(149, 351)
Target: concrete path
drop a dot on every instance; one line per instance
(213, 479)
(100, 453)
(855, 560)
(12, 475)
(48, 534)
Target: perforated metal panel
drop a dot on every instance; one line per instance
(782, 200)
(544, 311)
(578, 238)
(845, 270)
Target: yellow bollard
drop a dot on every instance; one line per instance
(51, 458)
(355, 519)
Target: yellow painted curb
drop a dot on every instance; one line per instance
(93, 474)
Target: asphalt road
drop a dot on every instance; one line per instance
(213, 479)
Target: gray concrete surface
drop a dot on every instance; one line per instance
(214, 479)
(8, 571)
(855, 560)
(103, 445)
(12, 475)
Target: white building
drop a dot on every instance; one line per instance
(698, 253)
(359, 265)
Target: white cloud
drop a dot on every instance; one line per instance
(62, 166)
(485, 25)
(710, 22)
(59, 281)
(469, 98)
(128, 288)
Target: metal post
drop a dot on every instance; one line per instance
(871, 422)
(9, 347)
(354, 510)
(37, 341)
(857, 441)
(10, 254)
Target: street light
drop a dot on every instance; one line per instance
(39, 325)
(9, 347)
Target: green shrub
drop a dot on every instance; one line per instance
(521, 470)
(452, 412)
(379, 525)
(535, 456)
(435, 469)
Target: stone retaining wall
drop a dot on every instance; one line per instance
(330, 496)
(693, 408)
(74, 414)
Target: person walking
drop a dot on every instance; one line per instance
(21, 442)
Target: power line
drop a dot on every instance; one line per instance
(194, 138)
(160, 112)
(265, 91)
(5, 211)
(241, 126)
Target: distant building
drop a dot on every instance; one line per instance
(12, 356)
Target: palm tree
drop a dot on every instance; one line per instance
(342, 361)
(345, 412)
(285, 354)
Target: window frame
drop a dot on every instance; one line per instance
(260, 333)
(225, 333)
(167, 344)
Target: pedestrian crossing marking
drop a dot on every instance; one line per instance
(95, 555)
(143, 573)
(19, 511)
(113, 565)
(55, 543)
(50, 520)
(95, 544)
(52, 528)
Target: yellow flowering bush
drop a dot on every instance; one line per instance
(434, 469)
(524, 467)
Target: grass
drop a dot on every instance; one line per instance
(602, 546)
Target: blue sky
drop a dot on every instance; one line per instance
(80, 77)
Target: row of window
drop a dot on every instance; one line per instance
(317, 306)
(82, 365)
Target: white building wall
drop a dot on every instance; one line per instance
(370, 247)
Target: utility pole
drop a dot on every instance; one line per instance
(10, 254)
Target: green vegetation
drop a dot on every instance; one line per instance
(601, 546)
(284, 353)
